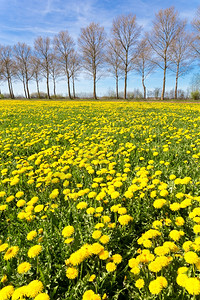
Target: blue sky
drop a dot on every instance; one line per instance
(24, 20)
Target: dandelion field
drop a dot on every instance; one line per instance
(99, 200)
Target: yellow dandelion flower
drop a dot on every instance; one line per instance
(164, 193)
(104, 239)
(125, 219)
(81, 205)
(191, 257)
(158, 203)
(161, 250)
(3, 207)
(68, 231)
(156, 224)
(19, 194)
(14, 181)
(99, 209)
(115, 208)
(10, 198)
(72, 273)
(97, 248)
(139, 283)
(155, 287)
(163, 281)
(31, 235)
(122, 211)
(104, 254)
(40, 231)
(106, 219)
(175, 235)
(3, 247)
(21, 203)
(133, 263)
(88, 295)
(187, 245)
(92, 278)
(42, 296)
(11, 252)
(114, 195)
(135, 270)
(182, 270)
(19, 293)
(34, 288)
(54, 194)
(179, 221)
(23, 267)
(172, 177)
(99, 225)
(155, 266)
(196, 229)
(6, 292)
(192, 285)
(117, 258)
(4, 278)
(128, 194)
(34, 251)
(90, 211)
(68, 240)
(92, 195)
(111, 267)
(181, 279)
(2, 194)
(147, 243)
(174, 206)
(38, 208)
(96, 234)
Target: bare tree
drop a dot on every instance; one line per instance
(195, 82)
(8, 67)
(55, 71)
(36, 70)
(143, 63)
(181, 56)
(113, 62)
(166, 27)
(43, 51)
(22, 54)
(75, 67)
(91, 43)
(63, 46)
(125, 31)
(196, 26)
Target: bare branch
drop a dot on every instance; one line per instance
(92, 41)
(166, 26)
(125, 31)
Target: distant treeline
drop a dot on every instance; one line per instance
(169, 45)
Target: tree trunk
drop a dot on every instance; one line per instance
(164, 80)
(144, 87)
(125, 83)
(68, 85)
(38, 89)
(27, 88)
(54, 86)
(176, 85)
(94, 86)
(13, 96)
(9, 87)
(48, 93)
(125, 77)
(24, 88)
(73, 83)
(117, 88)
